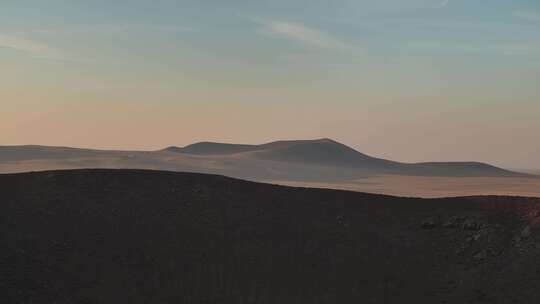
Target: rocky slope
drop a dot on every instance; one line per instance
(125, 236)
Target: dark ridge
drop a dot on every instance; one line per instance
(323, 152)
(319, 151)
(16, 153)
(133, 236)
(212, 148)
(461, 169)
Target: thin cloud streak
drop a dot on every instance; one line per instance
(25, 45)
(507, 49)
(34, 48)
(113, 29)
(307, 36)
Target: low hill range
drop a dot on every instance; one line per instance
(319, 153)
(320, 163)
(327, 152)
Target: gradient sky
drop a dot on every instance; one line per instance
(410, 80)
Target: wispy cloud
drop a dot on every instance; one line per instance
(36, 49)
(307, 36)
(528, 16)
(506, 49)
(82, 30)
(27, 46)
(113, 29)
(445, 2)
(33, 43)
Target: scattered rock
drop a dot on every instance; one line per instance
(477, 236)
(473, 238)
(481, 255)
(341, 221)
(453, 222)
(526, 232)
(471, 224)
(449, 225)
(481, 296)
(429, 223)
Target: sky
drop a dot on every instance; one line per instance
(414, 80)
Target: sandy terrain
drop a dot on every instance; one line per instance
(420, 186)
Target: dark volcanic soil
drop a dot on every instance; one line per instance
(119, 236)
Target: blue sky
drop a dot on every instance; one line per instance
(381, 76)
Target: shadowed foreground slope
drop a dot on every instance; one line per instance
(121, 236)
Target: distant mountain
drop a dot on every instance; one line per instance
(327, 152)
(319, 152)
(132, 236)
(211, 148)
(34, 152)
